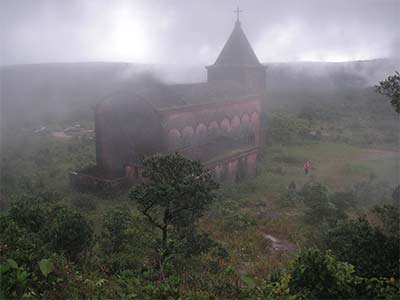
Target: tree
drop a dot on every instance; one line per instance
(174, 195)
(372, 253)
(390, 87)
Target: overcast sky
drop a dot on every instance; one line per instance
(194, 31)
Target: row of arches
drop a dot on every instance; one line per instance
(238, 127)
(236, 169)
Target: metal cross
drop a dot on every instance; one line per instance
(238, 11)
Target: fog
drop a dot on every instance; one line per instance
(193, 32)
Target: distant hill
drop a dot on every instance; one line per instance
(325, 76)
(38, 94)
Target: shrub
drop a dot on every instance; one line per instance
(318, 275)
(115, 233)
(58, 228)
(371, 252)
(318, 208)
(67, 232)
(84, 202)
(286, 129)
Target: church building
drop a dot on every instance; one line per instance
(216, 122)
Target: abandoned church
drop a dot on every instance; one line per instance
(216, 122)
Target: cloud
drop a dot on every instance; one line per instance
(193, 32)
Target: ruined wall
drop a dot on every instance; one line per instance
(127, 129)
(232, 169)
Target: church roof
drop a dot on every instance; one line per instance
(237, 50)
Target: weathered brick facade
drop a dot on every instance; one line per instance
(217, 122)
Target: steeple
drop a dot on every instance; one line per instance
(238, 62)
(237, 50)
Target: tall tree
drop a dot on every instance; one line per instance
(174, 195)
(390, 87)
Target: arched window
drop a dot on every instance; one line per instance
(225, 127)
(235, 126)
(187, 135)
(201, 133)
(174, 139)
(213, 129)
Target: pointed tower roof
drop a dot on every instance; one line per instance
(237, 50)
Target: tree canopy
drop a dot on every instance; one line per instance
(175, 193)
(390, 87)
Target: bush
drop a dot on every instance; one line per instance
(318, 208)
(324, 207)
(40, 218)
(291, 196)
(84, 202)
(371, 252)
(115, 233)
(318, 275)
(67, 232)
(389, 218)
(286, 129)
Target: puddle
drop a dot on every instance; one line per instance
(280, 244)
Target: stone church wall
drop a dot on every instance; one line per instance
(196, 124)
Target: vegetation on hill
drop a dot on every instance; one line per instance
(332, 234)
(390, 87)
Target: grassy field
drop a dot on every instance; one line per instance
(253, 208)
(246, 212)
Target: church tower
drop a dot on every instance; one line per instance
(237, 62)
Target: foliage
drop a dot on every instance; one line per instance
(46, 266)
(123, 263)
(396, 196)
(275, 289)
(125, 241)
(237, 221)
(321, 206)
(116, 223)
(318, 275)
(175, 194)
(40, 218)
(389, 218)
(371, 252)
(369, 191)
(68, 232)
(390, 87)
(291, 196)
(14, 280)
(286, 129)
(84, 203)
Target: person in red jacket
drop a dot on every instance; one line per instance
(307, 167)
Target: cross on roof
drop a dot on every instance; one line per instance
(237, 11)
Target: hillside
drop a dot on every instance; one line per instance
(38, 94)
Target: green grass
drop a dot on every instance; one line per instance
(385, 169)
(338, 165)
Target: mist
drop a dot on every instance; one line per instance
(170, 149)
(187, 33)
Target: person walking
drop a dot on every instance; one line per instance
(307, 167)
